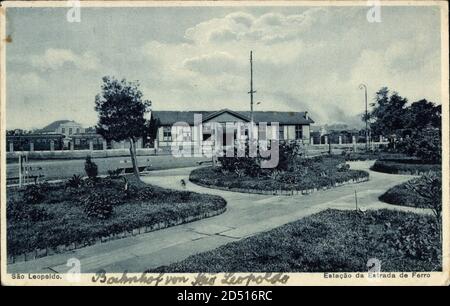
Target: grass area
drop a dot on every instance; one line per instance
(49, 215)
(308, 173)
(331, 241)
(396, 166)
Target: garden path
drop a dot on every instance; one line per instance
(246, 215)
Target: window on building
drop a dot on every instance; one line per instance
(70, 131)
(298, 131)
(167, 133)
(78, 130)
(281, 133)
(63, 130)
(77, 141)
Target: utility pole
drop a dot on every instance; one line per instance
(363, 86)
(251, 92)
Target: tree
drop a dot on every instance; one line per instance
(389, 113)
(121, 113)
(423, 114)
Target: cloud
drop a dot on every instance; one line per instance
(305, 59)
(54, 59)
(210, 64)
(240, 26)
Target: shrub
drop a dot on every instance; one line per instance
(424, 144)
(429, 188)
(35, 193)
(146, 194)
(99, 205)
(247, 165)
(289, 152)
(75, 181)
(91, 168)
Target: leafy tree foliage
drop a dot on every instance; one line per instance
(424, 144)
(423, 114)
(389, 113)
(392, 116)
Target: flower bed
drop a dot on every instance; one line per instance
(329, 241)
(51, 218)
(411, 166)
(311, 175)
(404, 195)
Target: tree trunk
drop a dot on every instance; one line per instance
(133, 158)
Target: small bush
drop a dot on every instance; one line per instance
(424, 144)
(75, 181)
(35, 193)
(99, 205)
(91, 168)
(240, 165)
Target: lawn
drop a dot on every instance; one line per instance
(329, 241)
(48, 215)
(300, 174)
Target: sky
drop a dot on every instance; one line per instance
(197, 58)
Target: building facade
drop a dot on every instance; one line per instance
(292, 126)
(67, 128)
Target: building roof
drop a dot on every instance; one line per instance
(171, 117)
(53, 126)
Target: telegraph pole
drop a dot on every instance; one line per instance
(363, 86)
(251, 92)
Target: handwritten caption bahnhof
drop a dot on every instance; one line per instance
(205, 279)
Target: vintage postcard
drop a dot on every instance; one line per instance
(212, 143)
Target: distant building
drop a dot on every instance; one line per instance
(65, 127)
(68, 128)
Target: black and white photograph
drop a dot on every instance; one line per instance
(225, 143)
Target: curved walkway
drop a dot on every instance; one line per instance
(246, 215)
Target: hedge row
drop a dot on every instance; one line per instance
(404, 167)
